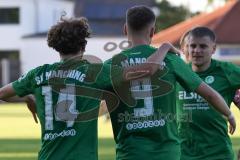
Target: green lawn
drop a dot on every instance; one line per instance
(27, 149)
(19, 136)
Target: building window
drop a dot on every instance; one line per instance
(9, 16)
(9, 66)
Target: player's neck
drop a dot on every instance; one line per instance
(201, 68)
(71, 56)
(136, 40)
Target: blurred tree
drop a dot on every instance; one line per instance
(170, 15)
(210, 3)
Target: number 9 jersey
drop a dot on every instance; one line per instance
(144, 124)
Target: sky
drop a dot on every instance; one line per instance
(197, 5)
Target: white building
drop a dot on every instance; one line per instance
(19, 18)
(24, 25)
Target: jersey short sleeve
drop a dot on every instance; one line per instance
(107, 74)
(187, 78)
(25, 84)
(232, 73)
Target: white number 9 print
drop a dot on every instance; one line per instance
(142, 89)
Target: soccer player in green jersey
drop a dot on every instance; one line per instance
(205, 135)
(68, 92)
(144, 125)
(54, 85)
(184, 49)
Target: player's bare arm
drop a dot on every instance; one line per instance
(216, 100)
(154, 62)
(8, 94)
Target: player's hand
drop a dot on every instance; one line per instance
(236, 100)
(30, 100)
(173, 49)
(136, 74)
(232, 122)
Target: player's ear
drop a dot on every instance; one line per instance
(214, 48)
(152, 31)
(125, 29)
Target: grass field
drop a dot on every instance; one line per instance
(19, 135)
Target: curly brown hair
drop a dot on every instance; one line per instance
(69, 35)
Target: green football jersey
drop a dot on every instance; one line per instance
(205, 134)
(74, 87)
(144, 124)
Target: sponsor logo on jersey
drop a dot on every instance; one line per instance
(64, 133)
(145, 124)
(183, 95)
(192, 101)
(209, 79)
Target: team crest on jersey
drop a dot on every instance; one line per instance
(209, 79)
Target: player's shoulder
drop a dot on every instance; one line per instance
(139, 50)
(143, 50)
(224, 64)
(227, 68)
(108, 61)
(172, 57)
(220, 63)
(38, 69)
(116, 59)
(45, 68)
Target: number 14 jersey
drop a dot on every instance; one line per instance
(62, 91)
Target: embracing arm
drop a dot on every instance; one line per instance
(154, 62)
(216, 100)
(7, 92)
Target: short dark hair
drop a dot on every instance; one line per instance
(203, 31)
(138, 17)
(69, 35)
